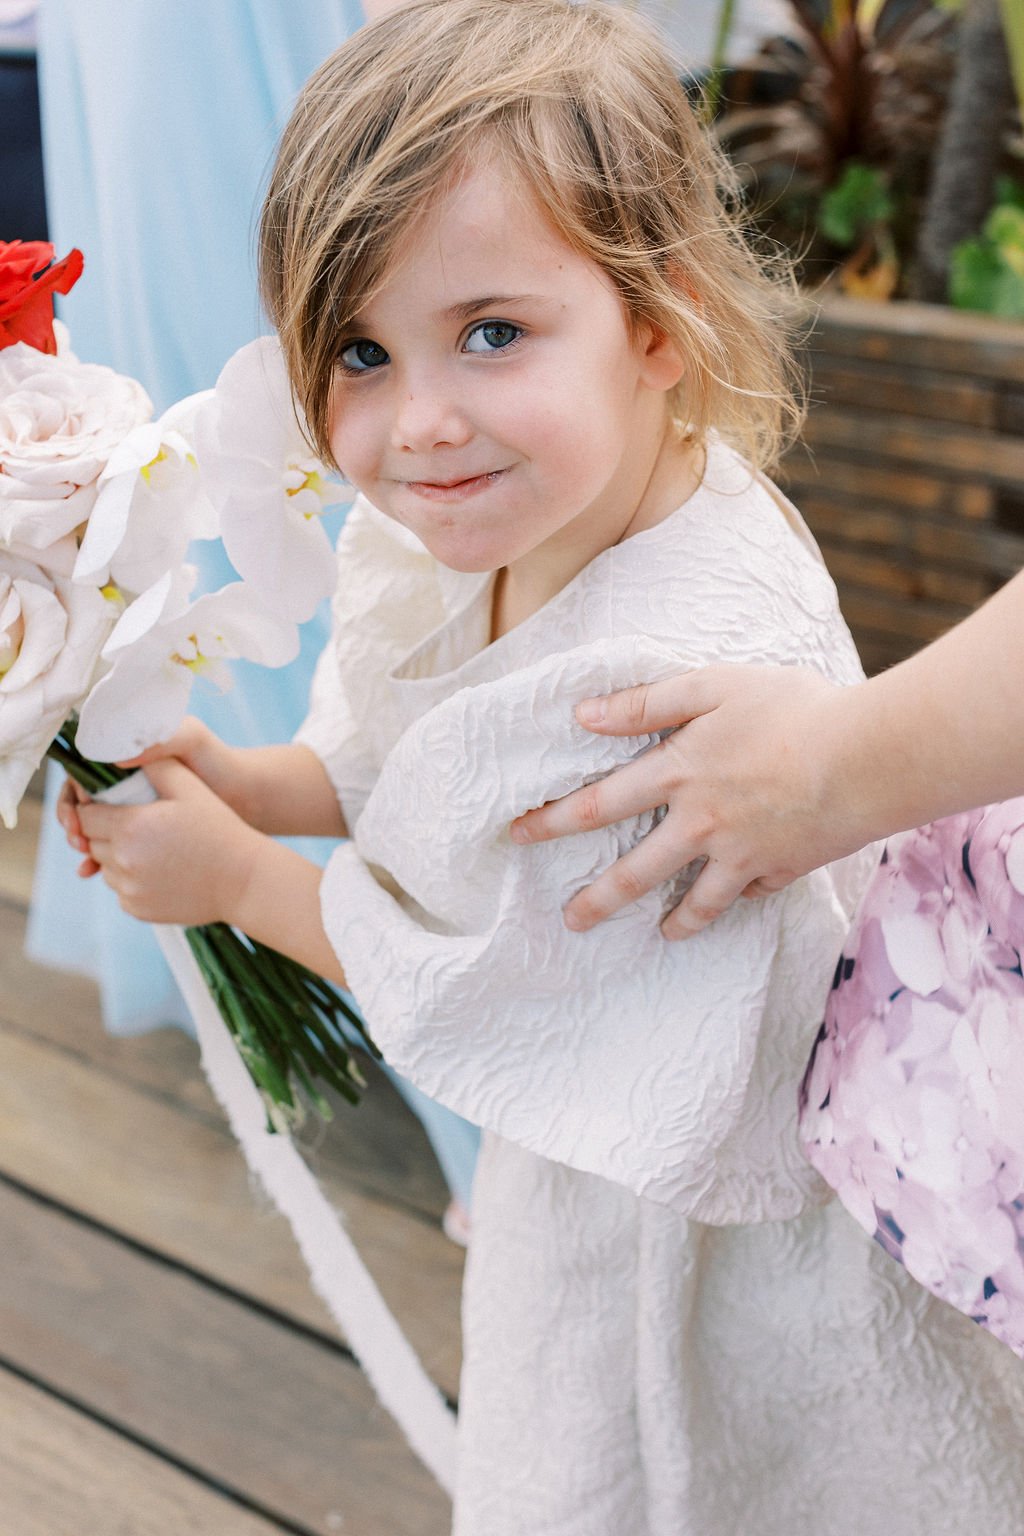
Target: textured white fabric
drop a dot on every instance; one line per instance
(634, 1366)
(631, 1373)
(666, 1068)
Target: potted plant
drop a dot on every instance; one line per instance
(881, 141)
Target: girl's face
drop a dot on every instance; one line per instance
(491, 398)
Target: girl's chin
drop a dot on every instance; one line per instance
(471, 556)
(469, 564)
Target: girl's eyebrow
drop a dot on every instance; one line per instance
(467, 307)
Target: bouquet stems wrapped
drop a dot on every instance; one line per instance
(101, 638)
(291, 1028)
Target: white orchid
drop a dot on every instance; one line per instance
(60, 421)
(150, 505)
(51, 636)
(160, 644)
(267, 486)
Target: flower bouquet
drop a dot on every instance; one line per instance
(101, 638)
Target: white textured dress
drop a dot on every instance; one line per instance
(670, 1329)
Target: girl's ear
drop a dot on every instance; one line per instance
(662, 360)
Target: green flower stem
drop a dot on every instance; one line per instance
(89, 775)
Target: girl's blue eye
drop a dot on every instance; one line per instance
(492, 336)
(359, 356)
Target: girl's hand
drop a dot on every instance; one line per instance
(185, 859)
(281, 790)
(221, 767)
(753, 785)
(71, 797)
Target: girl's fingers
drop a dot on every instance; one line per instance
(68, 801)
(712, 893)
(656, 859)
(101, 821)
(651, 707)
(639, 786)
(189, 736)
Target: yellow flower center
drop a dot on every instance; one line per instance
(146, 470)
(313, 481)
(200, 662)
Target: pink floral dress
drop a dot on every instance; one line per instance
(912, 1107)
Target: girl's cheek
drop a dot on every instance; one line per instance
(353, 443)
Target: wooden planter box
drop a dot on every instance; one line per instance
(911, 467)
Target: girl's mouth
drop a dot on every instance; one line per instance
(454, 490)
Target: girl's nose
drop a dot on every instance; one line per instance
(426, 417)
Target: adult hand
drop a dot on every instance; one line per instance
(753, 784)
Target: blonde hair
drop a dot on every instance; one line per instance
(582, 104)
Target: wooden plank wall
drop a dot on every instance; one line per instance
(911, 467)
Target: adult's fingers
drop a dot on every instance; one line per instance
(633, 789)
(655, 859)
(712, 893)
(650, 707)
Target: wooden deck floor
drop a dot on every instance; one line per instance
(164, 1367)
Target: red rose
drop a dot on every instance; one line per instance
(27, 285)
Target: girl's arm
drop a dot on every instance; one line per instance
(776, 771)
(190, 859)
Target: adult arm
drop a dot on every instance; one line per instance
(777, 772)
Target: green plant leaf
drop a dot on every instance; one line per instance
(1004, 227)
(981, 278)
(859, 201)
(1009, 191)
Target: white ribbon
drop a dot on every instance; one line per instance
(337, 1272)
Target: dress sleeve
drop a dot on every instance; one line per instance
(387, 599)
(669, 1068)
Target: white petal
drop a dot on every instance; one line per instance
(15, 773)
(128, 456)
(46, 627)
(915, 953)
(181, 416)
(141, 701)
(40, 522)
(287, 558)
(56, 559)
(141, 616)
(106, 528)
(1015, 861)
(244, 625)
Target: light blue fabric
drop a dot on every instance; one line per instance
(160, 119)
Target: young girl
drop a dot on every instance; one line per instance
(518, 319)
